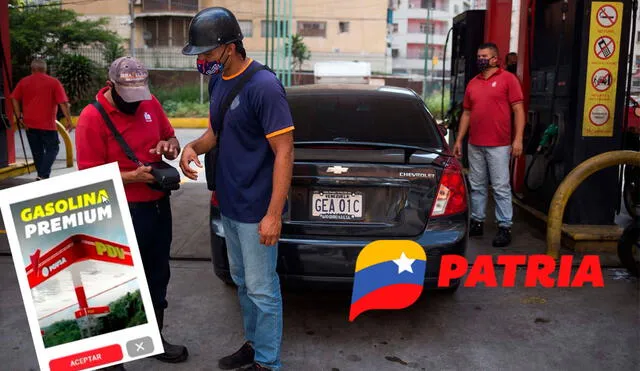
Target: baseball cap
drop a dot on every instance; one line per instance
(130, 78)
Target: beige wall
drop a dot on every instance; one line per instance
(367, 18)
(101, 8)
(367, 21)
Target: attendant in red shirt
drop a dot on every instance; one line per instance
(138, 117)
(35, 102)
(489, 100)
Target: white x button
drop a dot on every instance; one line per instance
(139, 347)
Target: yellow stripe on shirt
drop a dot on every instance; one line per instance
(281, 131)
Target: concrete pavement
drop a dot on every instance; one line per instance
(475, 329)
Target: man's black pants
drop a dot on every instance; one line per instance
(152, 224)
(45, 146)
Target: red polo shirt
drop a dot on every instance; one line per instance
(40, 95)
(490, 101)
(96, 145)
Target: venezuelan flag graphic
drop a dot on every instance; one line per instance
(389, 275)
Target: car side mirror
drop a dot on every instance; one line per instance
(443, 130)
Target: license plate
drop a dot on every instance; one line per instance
(337, 205)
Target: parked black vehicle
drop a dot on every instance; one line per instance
(371, 163)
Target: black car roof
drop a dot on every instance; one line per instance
(351, 89)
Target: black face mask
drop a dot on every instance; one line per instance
(513, 68)
(128, 108)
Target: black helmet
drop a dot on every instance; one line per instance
(211, 28)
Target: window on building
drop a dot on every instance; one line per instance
(638, 37)
(266, 28)
(638, 59)
(165, 31)
(169, 5)
(395, 53)
(344, 27)
(312, 29)
(427, 27)
(635, 83)
(395, 27)
(426, 4)
(247, 28)
(179, 31)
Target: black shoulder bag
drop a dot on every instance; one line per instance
(211, 157)
(167, 177)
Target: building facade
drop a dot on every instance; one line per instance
(417, 23)
(332, 30)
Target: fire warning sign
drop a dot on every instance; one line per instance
(601, 86)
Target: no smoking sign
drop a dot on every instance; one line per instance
(607, 16)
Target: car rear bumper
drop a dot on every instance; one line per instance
(331, 263)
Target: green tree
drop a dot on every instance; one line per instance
(112, 51)
(80, 77)
(48, 31)
(300, 53)
(61, 332)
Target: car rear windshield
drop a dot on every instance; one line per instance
(363, 118)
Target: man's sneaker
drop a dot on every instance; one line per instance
(503, 237)
(477, 228)
(256, 367)
(242, 357)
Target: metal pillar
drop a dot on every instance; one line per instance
(132, 40)
(7, 147)
(497, 24)
(266, 38)
(278, 54)
(426, 49)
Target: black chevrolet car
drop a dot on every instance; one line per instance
(370, 164)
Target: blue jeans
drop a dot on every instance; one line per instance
(493, 163)
(253, 270)
(44, 148)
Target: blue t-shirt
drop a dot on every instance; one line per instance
(244, 171)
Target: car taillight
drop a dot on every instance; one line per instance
(214, 199)
(452, 196)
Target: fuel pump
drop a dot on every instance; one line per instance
(578, 68)
(467, 36)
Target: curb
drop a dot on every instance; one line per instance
(176, 122)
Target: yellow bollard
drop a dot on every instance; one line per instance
(67, 143)
(569, 185)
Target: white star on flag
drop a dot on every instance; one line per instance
(404, 263)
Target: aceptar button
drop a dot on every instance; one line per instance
(88, 359)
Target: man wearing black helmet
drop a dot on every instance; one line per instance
(252, 177)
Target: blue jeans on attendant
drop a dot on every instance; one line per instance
(485, 163)
(253, 270)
